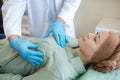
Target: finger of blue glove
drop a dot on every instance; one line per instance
(66, 39)
(36, 59)
(62, 40)
(32, 45)
(36, 63)
(47, 33)
(33, 62)
(56, 36)
(35, 53)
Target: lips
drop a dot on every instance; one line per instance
(84, 38)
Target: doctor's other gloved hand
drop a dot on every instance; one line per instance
(23, 48)
(57, 28)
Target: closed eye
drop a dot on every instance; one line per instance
(95, 39)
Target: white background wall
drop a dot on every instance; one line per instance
(91, 12)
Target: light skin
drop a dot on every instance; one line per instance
(89, 44)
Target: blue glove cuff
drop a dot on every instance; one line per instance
(13, 41)
(58, 22)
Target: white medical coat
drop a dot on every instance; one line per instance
(40, 14)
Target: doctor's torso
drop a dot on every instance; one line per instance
(41, 13)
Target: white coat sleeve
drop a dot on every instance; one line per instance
(12, 11)
(68, 10)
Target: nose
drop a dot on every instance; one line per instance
(91, 35)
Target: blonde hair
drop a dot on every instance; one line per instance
(111, 63)
(107, 48)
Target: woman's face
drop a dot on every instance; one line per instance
(91, 42)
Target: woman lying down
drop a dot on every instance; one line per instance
(62, 63)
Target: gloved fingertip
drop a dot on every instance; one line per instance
(42, 60)
(33, 64)
(36, 52)
(62, 46)
(58, 43)
(67, 40)
(57, 40)
(42, 54)
(35, 46)
(38, 63)
(45, 36)
(63, 43)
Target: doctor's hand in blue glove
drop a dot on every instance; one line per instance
(57, 28)
(24, 48)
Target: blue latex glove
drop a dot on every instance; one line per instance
(57, 28)
(24, 48)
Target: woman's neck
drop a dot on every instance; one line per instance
(84, 59)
